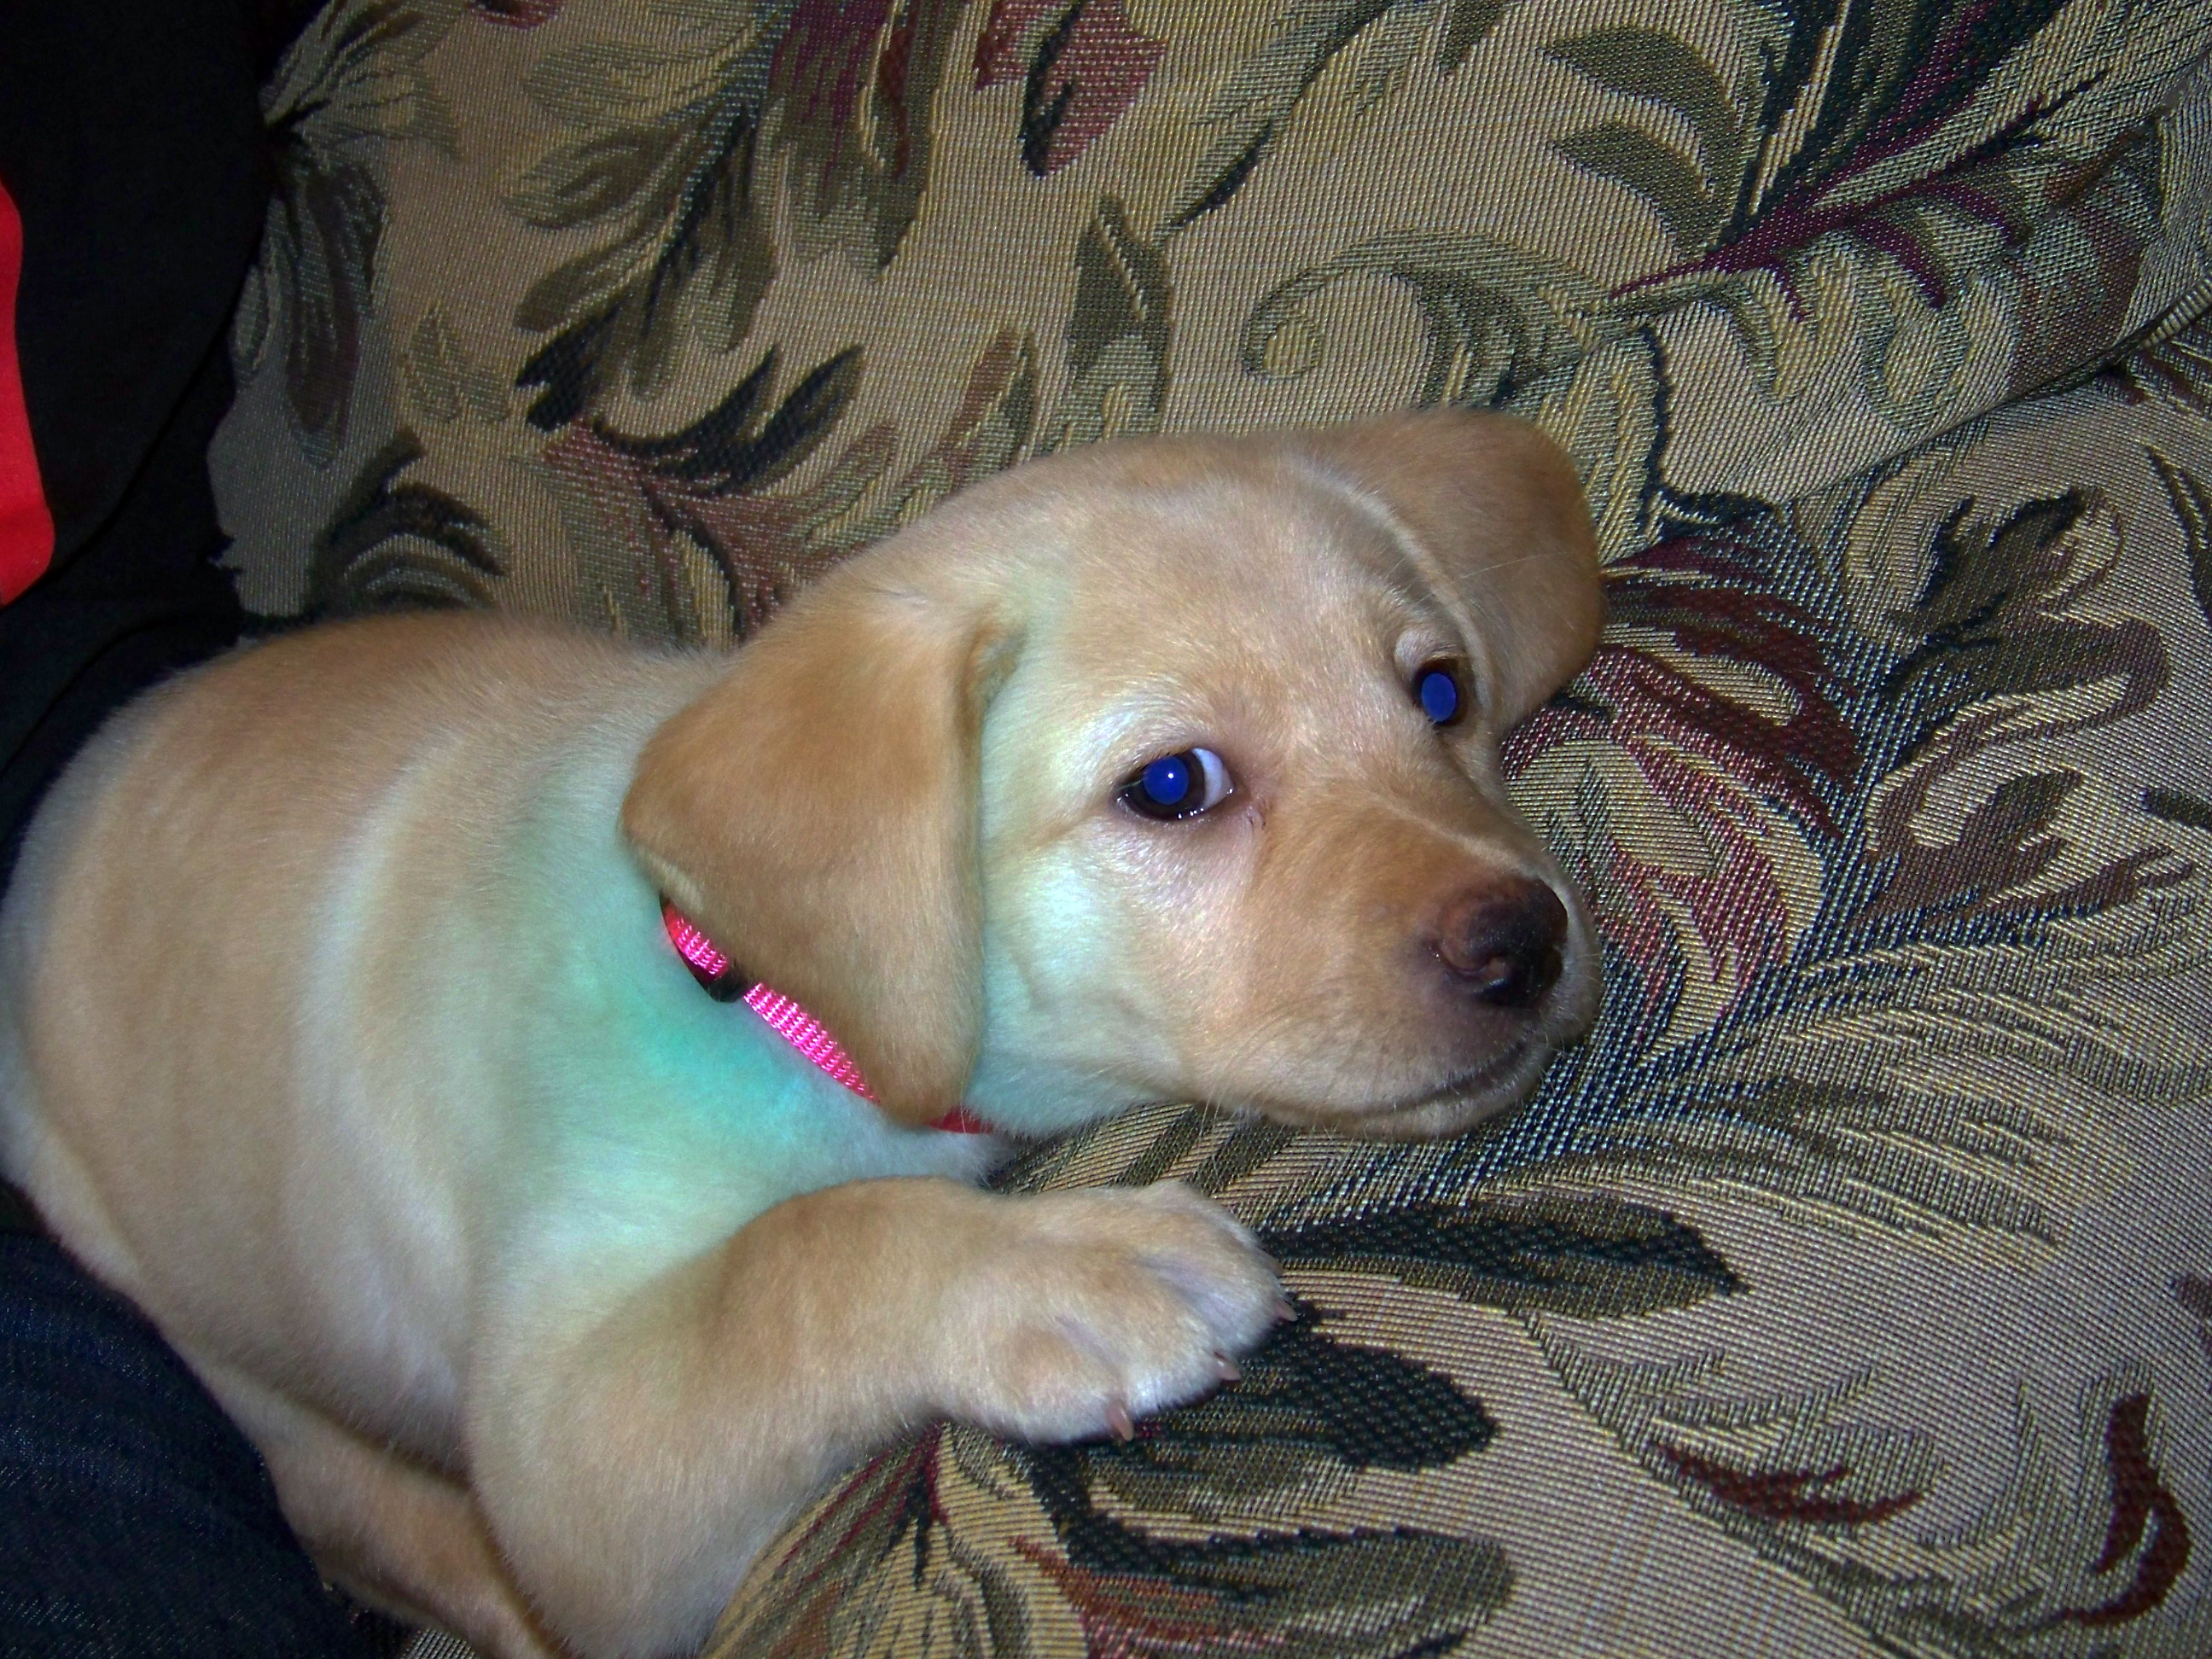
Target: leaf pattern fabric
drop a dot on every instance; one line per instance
(1851, 1290)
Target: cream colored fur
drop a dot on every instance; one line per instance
(337, 1029)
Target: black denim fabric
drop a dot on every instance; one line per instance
(136, 1522)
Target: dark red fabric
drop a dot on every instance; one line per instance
(26, 527)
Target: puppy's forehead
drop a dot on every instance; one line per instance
(1234, 564)
(1253, 615)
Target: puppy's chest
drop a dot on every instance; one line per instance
(670, 1101)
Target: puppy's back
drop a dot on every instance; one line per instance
(194, 891)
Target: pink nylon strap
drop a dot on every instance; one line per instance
(785, 1018)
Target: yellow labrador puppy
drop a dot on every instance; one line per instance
(351, 1017)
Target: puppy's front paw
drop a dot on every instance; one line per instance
(1095, 1308)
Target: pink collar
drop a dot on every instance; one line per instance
(724, 982)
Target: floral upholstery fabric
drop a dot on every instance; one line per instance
(1850, 1290)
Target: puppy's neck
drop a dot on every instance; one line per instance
(1032, 1097)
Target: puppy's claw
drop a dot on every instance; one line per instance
(1119, 1423)
(1284, 1312)
(1229, 1370)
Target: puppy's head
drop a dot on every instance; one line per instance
(1165, 770)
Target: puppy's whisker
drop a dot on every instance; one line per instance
(1522, 558)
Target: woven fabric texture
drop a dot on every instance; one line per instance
(1850, 1290)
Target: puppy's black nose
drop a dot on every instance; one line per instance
(1504, 941)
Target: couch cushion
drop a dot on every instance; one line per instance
(1851, 1288)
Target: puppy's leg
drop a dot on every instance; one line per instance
(404, 1540)
(633, 1465)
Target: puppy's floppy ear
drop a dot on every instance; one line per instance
(1496, 508)
(816, 813)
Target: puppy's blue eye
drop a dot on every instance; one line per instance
(1178, 786)
(1168, 780)
(1436, 689)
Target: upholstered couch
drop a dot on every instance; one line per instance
(1850, 1290)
